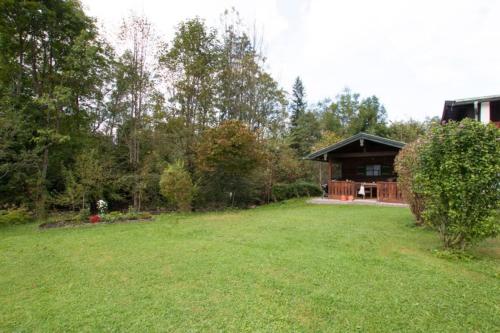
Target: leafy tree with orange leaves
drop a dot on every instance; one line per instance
(228, 158)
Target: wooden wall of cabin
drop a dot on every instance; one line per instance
(355, 168)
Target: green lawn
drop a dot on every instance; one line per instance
(283, 267)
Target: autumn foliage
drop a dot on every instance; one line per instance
(227, 160)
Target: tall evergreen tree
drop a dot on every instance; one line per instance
(305, 134)
(298, 104)
(305, 128)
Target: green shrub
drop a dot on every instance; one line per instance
(295, 190)
(83, 215)
(305, 189)
(281, 192)
(459, 177)
(15, 216)
(177, 187)
(406, 165)
(129, 216)
(113, 217)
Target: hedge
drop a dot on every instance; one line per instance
(295, 190)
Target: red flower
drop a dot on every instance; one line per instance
(94, 218)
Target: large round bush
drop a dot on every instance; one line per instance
(459, 177)
(177, 187)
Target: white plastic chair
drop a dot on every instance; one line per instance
(362, 191)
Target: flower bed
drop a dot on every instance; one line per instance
(113, 217)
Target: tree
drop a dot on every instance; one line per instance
(18, 161)
(410, 130)
(327, 112)
(237, 69)
(370, 117)
(136, 92)
(348, 115)
(73, 193)
(177, 187)
(42, 82)
(281, 165)
(298, 104)
(268, 116)
(305, 134)
(245, 91)
(347, 109)
(86, 182)
(190, 62)
(305, 128)
(227, 161)
(91, 172)
(327, 138)
(72, 108)
(459, 177)
(189, 66)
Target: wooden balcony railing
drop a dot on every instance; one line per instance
(389, 192)
(341, 189)
(347, 190)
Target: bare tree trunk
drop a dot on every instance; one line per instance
(137, 30)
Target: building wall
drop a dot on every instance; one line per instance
(354, 168)
(484, 116)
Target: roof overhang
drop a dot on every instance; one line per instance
(448, 105)
(354, 138)
(481, 99)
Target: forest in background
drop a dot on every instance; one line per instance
(82, 119)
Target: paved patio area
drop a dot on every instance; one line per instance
(325, 201)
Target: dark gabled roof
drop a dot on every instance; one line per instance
(354, 138)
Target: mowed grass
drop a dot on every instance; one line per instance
(284, 267)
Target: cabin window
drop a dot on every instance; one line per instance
(373, 170)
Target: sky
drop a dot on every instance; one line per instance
(413, 55)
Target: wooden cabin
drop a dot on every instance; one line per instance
(361, 163)
(484, 109)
